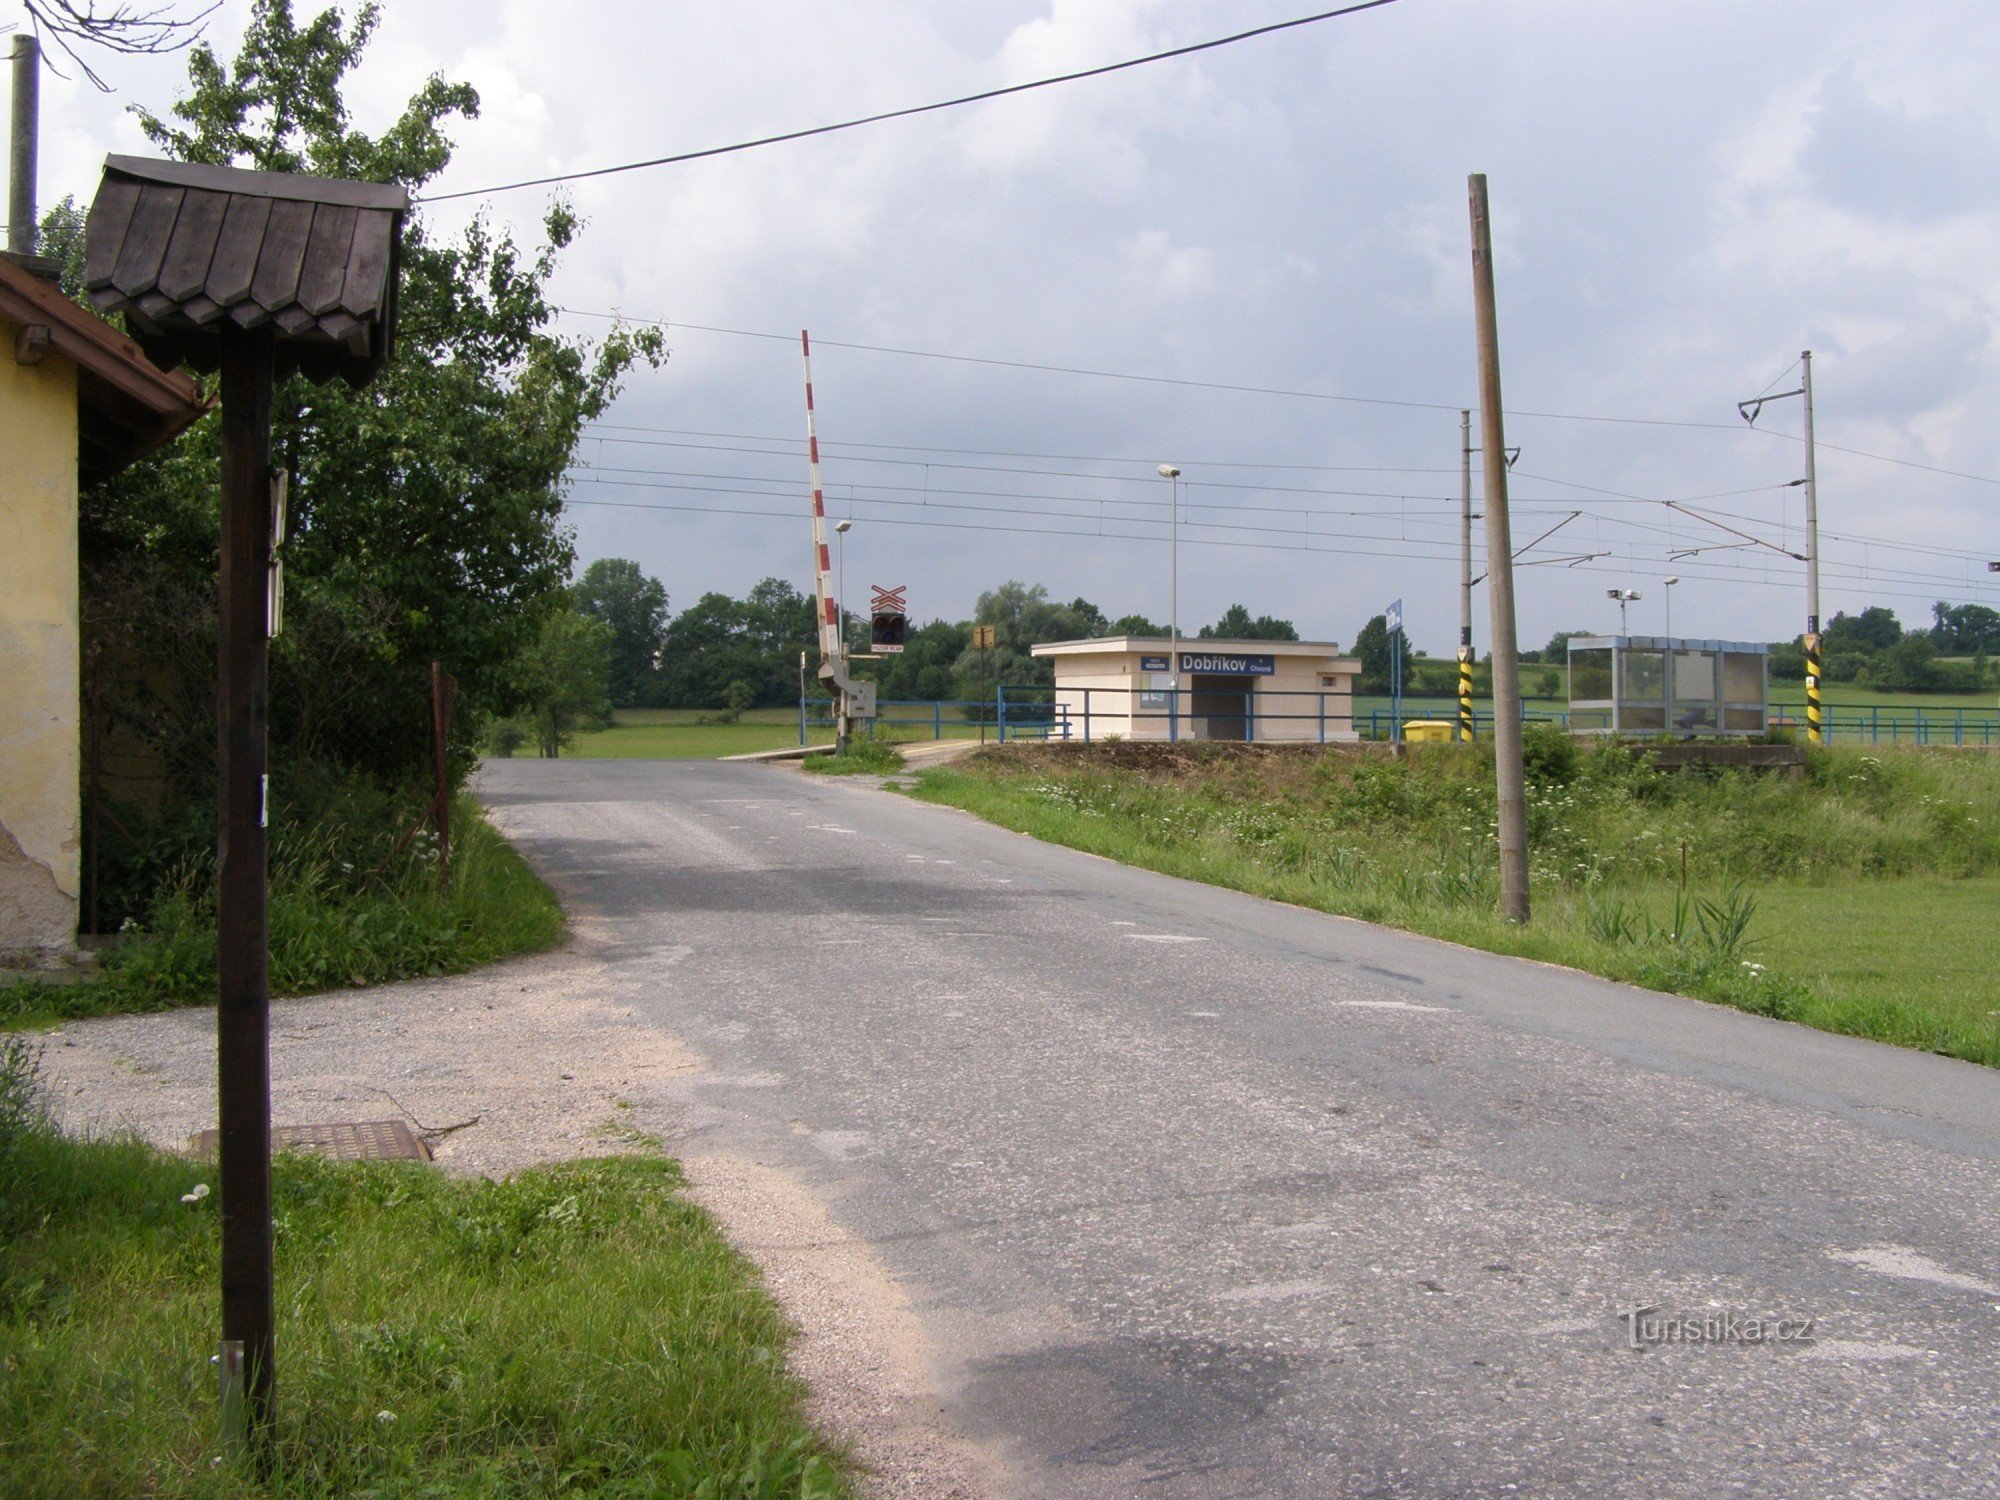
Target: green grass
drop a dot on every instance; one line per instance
(693, 734)
(580, 1329)
(1914, 948)
(863, 757)
(331, 925)
(1858, 900)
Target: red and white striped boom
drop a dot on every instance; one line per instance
(829, 610)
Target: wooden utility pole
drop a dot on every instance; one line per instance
(1509, 779)
(444, 692)
(243, 1010)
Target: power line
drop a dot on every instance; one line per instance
(1029, 365)
(1864, 572)
(1257, 390)
(920, 109)
(1304, 542)
(783, 485)
(791, 442)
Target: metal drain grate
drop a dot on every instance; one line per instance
(365, 1140)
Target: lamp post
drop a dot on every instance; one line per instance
(1668, 585)
(840, 529)
(1172, 474)
(1624, 598)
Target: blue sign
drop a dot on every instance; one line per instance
(1393, 615)
(1228, 664)
(1152, 664)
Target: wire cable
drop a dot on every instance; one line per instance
(918, 109)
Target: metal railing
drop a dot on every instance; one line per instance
(1019, 712)
(1895, 724)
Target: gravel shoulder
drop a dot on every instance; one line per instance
(539, 1060)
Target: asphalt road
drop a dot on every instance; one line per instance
(1201, 1195)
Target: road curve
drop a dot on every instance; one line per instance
(1201, 1195)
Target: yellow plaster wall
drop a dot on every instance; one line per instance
(39, 711)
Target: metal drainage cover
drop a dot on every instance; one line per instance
(365, 1140)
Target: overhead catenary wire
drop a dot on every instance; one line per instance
(1736, 429)
(860, 495)
(1527, 503)
(1339, 544)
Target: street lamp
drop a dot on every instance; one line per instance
(1668, 585)
(1172, 474)
(840, 580)
(1624, 597)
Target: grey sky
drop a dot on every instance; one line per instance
(1686, 194)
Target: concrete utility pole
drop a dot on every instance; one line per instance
(1510, 781)
(22, 231)
(1465, 732)
(1172, 474)
(1815, 718)
(1815, 722)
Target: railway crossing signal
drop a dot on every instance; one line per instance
(889, 620)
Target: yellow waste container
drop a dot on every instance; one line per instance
(1428, 731)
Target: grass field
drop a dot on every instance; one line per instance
(1922, 946)
(691, 734)
(581, 1329)
(1859, 900)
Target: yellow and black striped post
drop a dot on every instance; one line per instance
(1815, 728)
(1465, 694)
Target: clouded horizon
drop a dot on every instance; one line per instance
(1685, 197)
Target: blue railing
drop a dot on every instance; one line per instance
(1093, 714)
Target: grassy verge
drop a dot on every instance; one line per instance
(575, 1330)
(693, 734)
(331, 924)
(863, 757)
(685, 734)
(1856, 900)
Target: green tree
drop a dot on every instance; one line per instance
(1965, 629)
(1135, 625)
(1236, 625)
(427, 507)
(922, 671)
(755, 640)
(616, 591)
(562, 678)
(1874, 629)
(1023, 616)
(1556, 652)
(1909, 666)
(1372, 650)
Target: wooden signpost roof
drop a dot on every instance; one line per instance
(189, 252)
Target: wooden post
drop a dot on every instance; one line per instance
(444, 688)
(243, 991)
(1510, 782)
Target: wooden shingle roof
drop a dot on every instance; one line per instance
(189, 252)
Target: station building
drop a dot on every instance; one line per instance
(1246, 691)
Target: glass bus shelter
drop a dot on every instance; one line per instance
(1650, 684)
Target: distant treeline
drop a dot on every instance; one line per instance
(724, 652)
